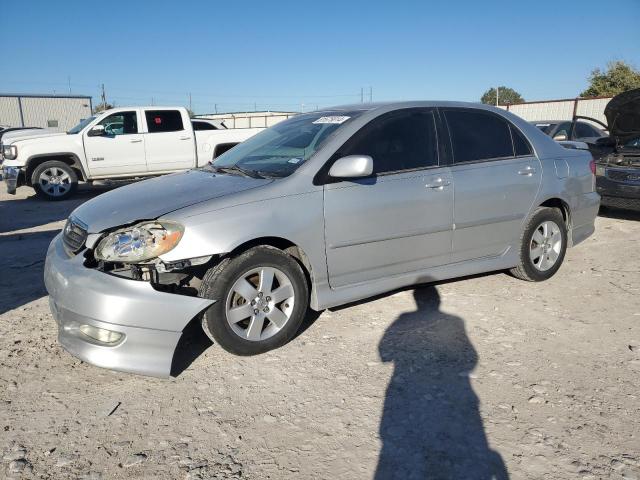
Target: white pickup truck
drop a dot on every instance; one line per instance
(120, 143)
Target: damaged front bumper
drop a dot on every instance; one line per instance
(145, 324)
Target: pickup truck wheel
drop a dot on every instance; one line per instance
(262, 297)
(54, 180)
(543, 246)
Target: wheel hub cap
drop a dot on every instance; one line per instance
(545, 246)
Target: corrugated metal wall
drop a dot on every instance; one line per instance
(9, 111)
(561, 109)
(56, 113)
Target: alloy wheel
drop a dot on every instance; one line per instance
(260, 303)
(545, 245)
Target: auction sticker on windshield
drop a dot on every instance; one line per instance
(332, 119)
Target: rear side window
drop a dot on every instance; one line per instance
(477, 135)
(397, 141)
(164, 121)
(520, 144)
(584, 130)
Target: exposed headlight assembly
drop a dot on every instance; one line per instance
(139, 243)
(9, 152)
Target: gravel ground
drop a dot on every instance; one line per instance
(465, 379)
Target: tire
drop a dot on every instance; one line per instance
(232, 321)
(540, 256)
(66, 180)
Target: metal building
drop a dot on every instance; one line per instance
(56, 112)
(561, 109)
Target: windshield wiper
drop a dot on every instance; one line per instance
(235, 168)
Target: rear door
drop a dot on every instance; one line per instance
(400, 219)
(120, 150)
(169, 141)
(496, 178)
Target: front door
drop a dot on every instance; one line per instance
(400, 219)
(120, 150)
(496, 178)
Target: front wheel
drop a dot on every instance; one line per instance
(54, 180)
(261, 299)
(543, 246)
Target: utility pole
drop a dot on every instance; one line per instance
(104, 97)
(215, 107)
(370, 94)
(361, 94)
(69, 82)
(497, 95)
(190, 109)
(152, 101)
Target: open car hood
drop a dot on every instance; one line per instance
(623, 116)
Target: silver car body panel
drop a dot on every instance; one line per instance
(151, 321)
(358, 238)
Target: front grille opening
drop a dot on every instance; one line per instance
(74, 235)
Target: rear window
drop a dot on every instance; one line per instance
(164, 121)
(203, 126)
(477, 135)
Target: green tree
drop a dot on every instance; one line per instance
(507, 96)
(618, 77)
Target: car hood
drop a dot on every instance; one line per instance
(12, 137)
(158, 196)
(623, 116)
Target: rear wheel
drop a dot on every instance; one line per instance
(261, 299)
(543, 246)
(54, 180)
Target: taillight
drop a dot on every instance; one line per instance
(592, 166)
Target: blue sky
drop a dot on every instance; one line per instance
(281, 54)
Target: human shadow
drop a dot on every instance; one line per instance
(431, 426)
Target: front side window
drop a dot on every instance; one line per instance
(280, 150)
(121, 123)
(397, 141)
(164, 121)
(478, 135)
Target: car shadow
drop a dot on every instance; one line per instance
(619, 213)
(20, 213)
(431, 426)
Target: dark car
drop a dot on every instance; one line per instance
(566, 130)
(618, 169)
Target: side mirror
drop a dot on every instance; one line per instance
(560, 137)
(353, 166)
(96, 131)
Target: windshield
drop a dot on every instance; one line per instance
(81, 125)
(281, 149)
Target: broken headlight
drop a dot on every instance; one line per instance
(139, 243)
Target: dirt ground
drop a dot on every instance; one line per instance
(473, 378)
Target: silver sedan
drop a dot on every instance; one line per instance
(320, 210)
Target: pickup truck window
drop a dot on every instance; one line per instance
(203, 126)
(121, 123)
(164, 121)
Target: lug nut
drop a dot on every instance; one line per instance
(253, 302)
(256, 311)
(265, 309)
(268, 299)
(286, 305)
(260, 294)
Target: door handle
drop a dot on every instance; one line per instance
(528, 171)
(185, 138)
(438, 184)
(136, 141)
